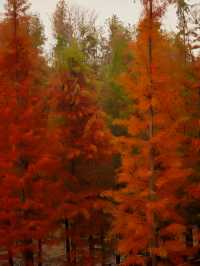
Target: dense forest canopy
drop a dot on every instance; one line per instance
(100, 139)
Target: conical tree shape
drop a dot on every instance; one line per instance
(150, 228)
(24, 128)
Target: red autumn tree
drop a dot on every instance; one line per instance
(23, 213)
(192, 148)
(80, 139)
(153, 172)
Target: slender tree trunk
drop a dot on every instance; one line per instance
(103, 249)
(151, 134)
(118, 259)
(184, 38)
(28, 255)
(28, 252)
(74, 248)
(91, 248)
(39, 252)
(67, 241)
(15, 29)
(29, 261)
(10, 258)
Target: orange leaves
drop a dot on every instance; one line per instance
(47, 165)
(73, 153)
(135, 260)
(194, 190)
(175, 246)
(50, 152)
(196, 144)
(157, 206)
(120, 122)
(161, 252)
(175, 175)
(127, 83)
(155, 168)
(174, 230)
(137, 126)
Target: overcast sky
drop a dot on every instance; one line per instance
(127, 10)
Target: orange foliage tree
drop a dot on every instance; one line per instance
(149, 223)
(80, 140)
(24, 211)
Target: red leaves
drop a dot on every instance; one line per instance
(155, 170)
(52, 140)
(174, 230)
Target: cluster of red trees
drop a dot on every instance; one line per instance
(45, 133)
(56, 148)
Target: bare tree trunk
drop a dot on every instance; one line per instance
(15, 39)
(184, 38)
(28, 252)
(118, 259)
(91, 248)
(103, 249)
(10, 258)
(28, 255)
(39, 252)
(29, 261)
(74, 248)
(67, 241)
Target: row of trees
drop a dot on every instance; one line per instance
(99, 154)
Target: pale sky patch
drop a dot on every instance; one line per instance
(127, 10)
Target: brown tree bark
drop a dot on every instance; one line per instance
(10, 258)
(67, 241)
(39, 252)
(28, 255)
